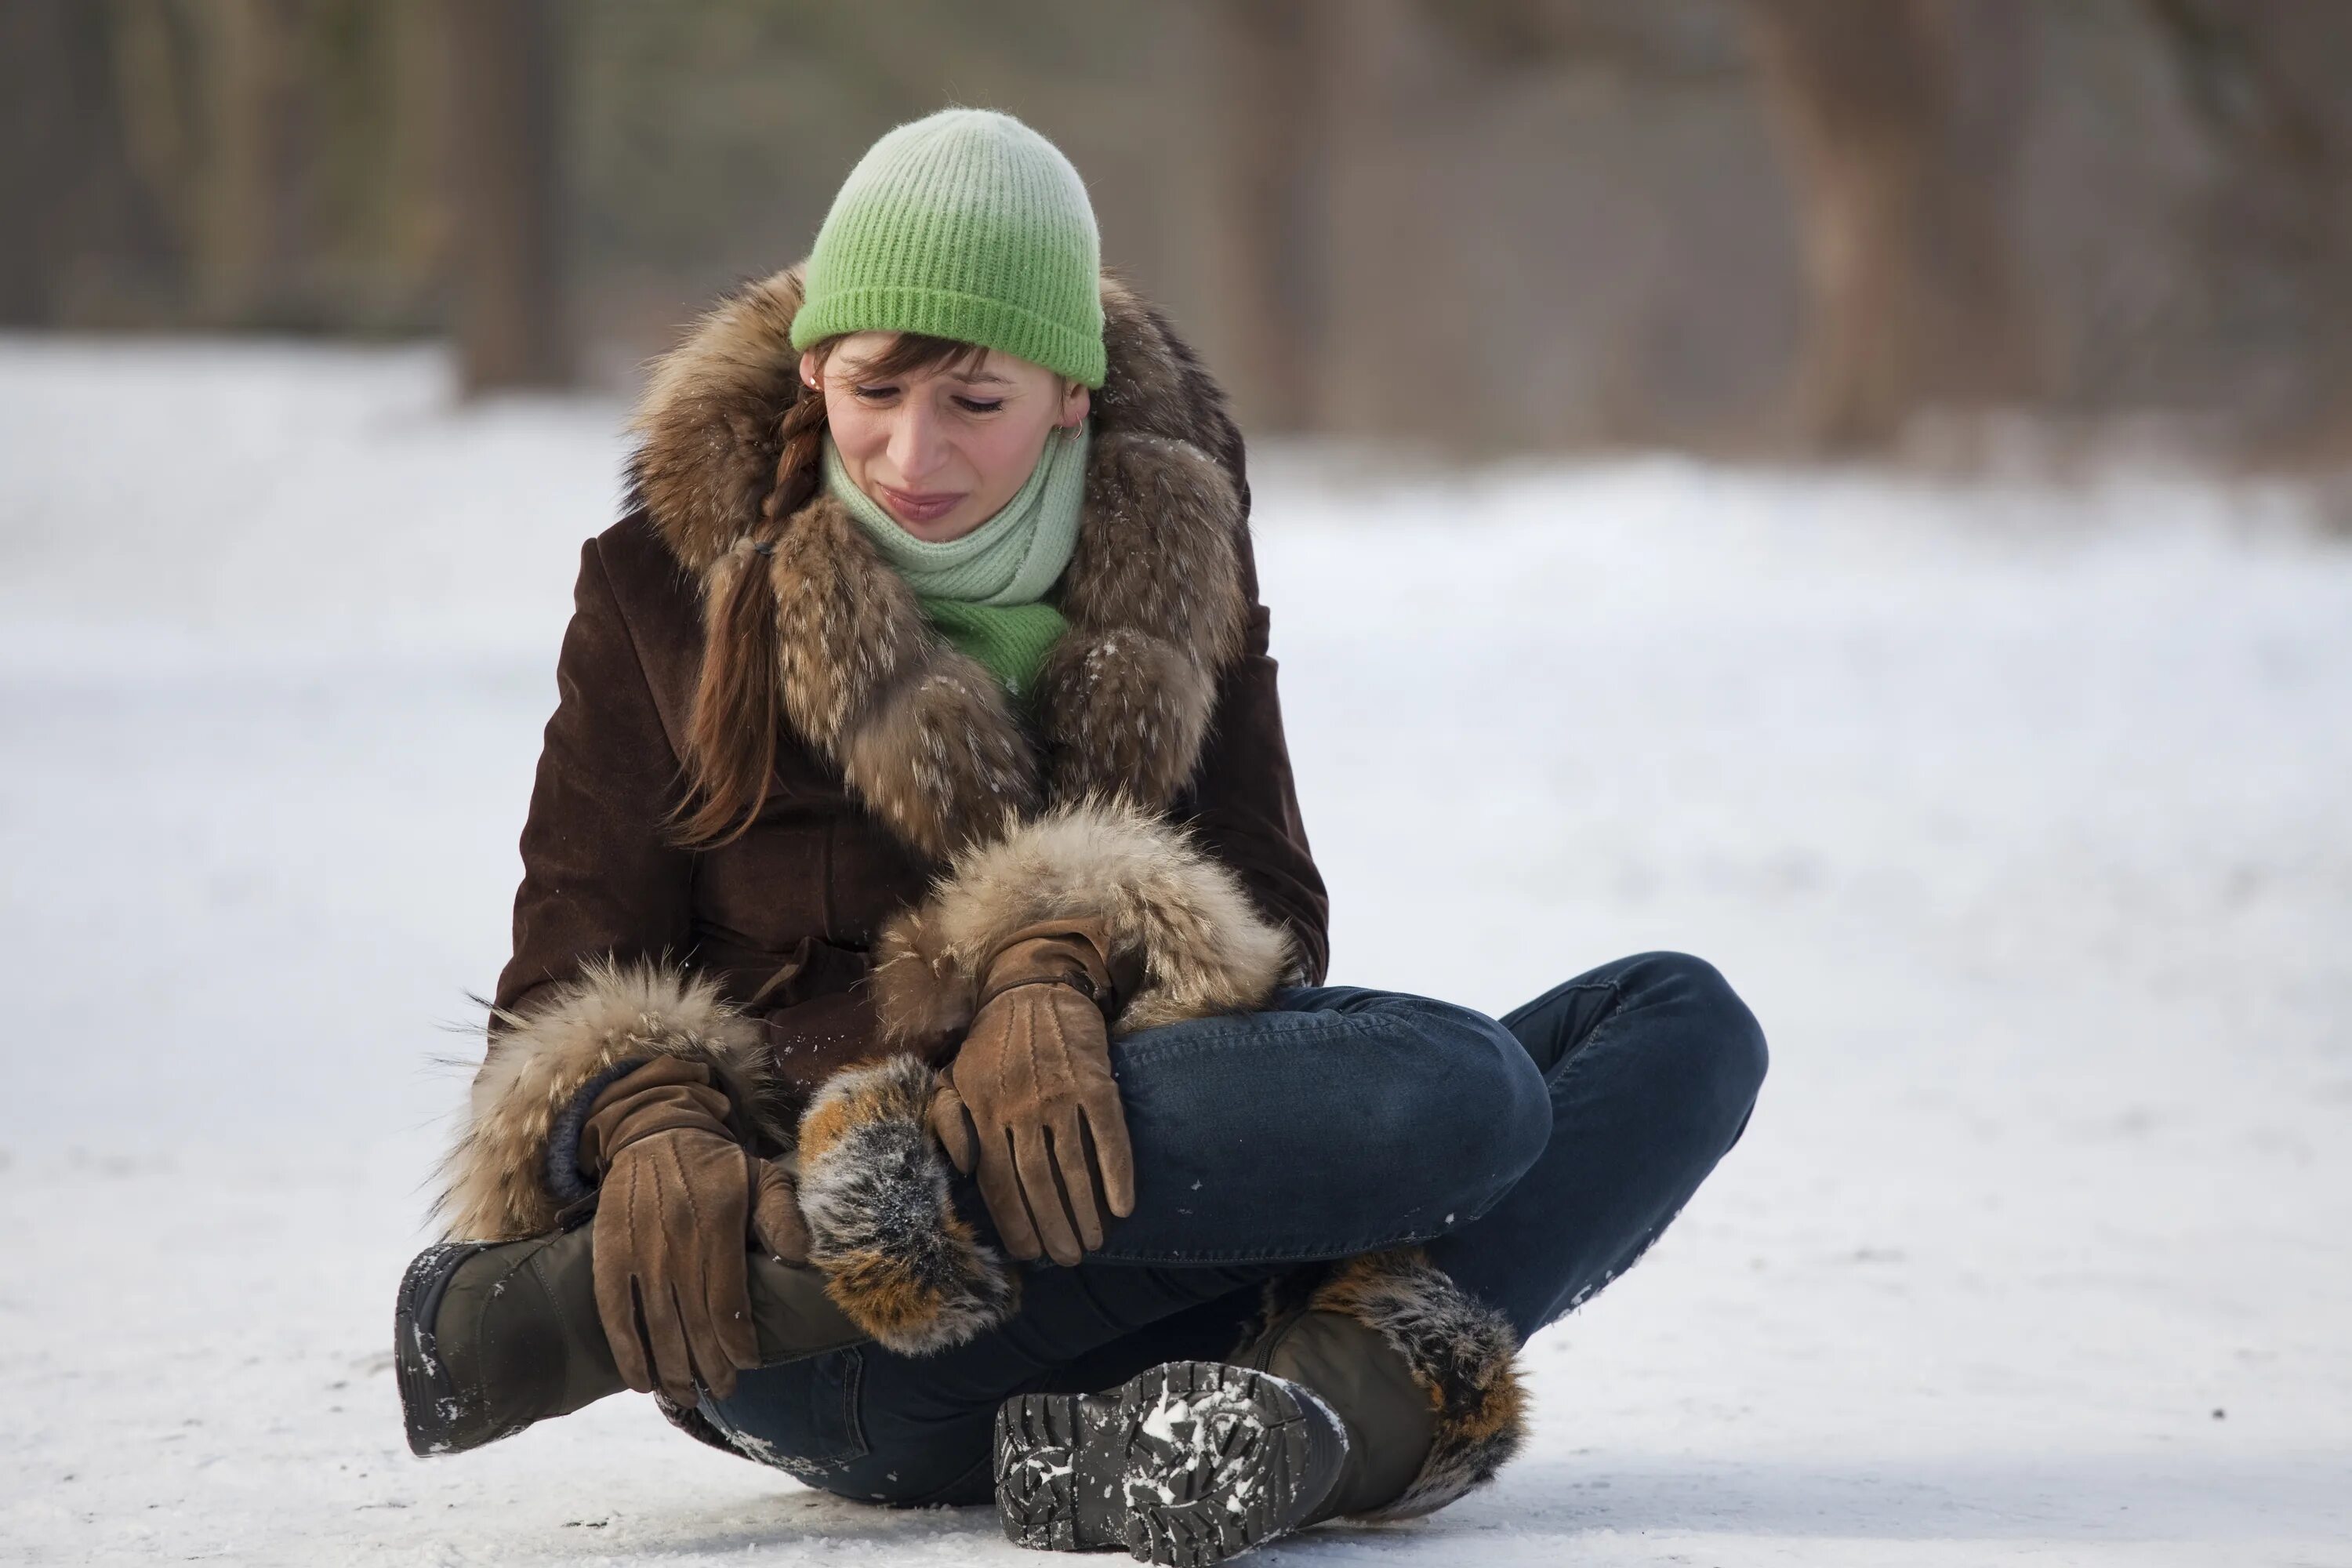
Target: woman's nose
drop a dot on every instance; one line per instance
(916, 446)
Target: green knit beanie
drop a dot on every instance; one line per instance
(964, 225)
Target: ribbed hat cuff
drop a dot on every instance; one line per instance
(964, 318)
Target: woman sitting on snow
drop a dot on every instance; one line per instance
(914, 877)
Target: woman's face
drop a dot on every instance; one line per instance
(942, 451)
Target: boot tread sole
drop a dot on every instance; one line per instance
(1185, 1465)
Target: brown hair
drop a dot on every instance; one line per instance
(731, 739)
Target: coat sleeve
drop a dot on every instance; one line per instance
(599, 877)
(602, 924)
(1246, 803)
(597, 985)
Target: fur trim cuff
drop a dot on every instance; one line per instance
(494, 1182)
(1461, 1351)
(1204, 948)
(897, 1257)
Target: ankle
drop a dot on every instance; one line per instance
(1358, 1376)
(1424, 1374)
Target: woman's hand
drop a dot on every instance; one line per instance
(680, 1201)
(1031, 1084)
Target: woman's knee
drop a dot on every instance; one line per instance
(1466, 1090)
(1373, 1114)
(1718, 1040)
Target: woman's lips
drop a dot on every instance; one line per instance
(928, 508)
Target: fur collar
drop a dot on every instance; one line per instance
(921, 734)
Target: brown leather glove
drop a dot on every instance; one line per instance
(1032, 1069)
(680, 1200)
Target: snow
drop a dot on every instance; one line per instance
(2021, 812)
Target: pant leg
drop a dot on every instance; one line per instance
(1336, 1120)
(1652, 1065)
(869, 1423)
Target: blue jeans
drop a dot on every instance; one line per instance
(1537, 1156)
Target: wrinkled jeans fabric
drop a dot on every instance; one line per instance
(1537, 1156)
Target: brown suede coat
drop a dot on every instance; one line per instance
(786, 918)
(822, 963)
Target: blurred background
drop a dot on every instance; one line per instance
(1735, 225)
(1852, 488)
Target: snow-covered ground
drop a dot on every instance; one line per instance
(2022, 815)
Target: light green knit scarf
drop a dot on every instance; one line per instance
(985, 591)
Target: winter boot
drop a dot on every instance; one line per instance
(1369, 1387)
(490, 1337)
(1386, 1393)
(1424, 1375)
(1190, 1463)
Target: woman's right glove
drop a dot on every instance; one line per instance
(680, 1201)
(1034, 1068)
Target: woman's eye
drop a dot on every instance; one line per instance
(970, 404)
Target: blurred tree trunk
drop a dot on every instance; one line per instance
(1268, 214)
(507, 207)
(256, 232)
(48, 52)
(73, 204)
(1900, 125)
(1392, 362)
(2272, 234)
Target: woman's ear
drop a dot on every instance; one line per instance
(812, 369)
(1076, 401)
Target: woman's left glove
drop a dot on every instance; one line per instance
(1031, 1092)
(680, 1202)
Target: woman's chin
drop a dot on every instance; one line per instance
(941, 529)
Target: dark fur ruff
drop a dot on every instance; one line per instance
(897, 1257)
(1461, 1351)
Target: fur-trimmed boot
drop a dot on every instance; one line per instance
(1387, 1393)
(491, 1337)
(1424, 1375)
